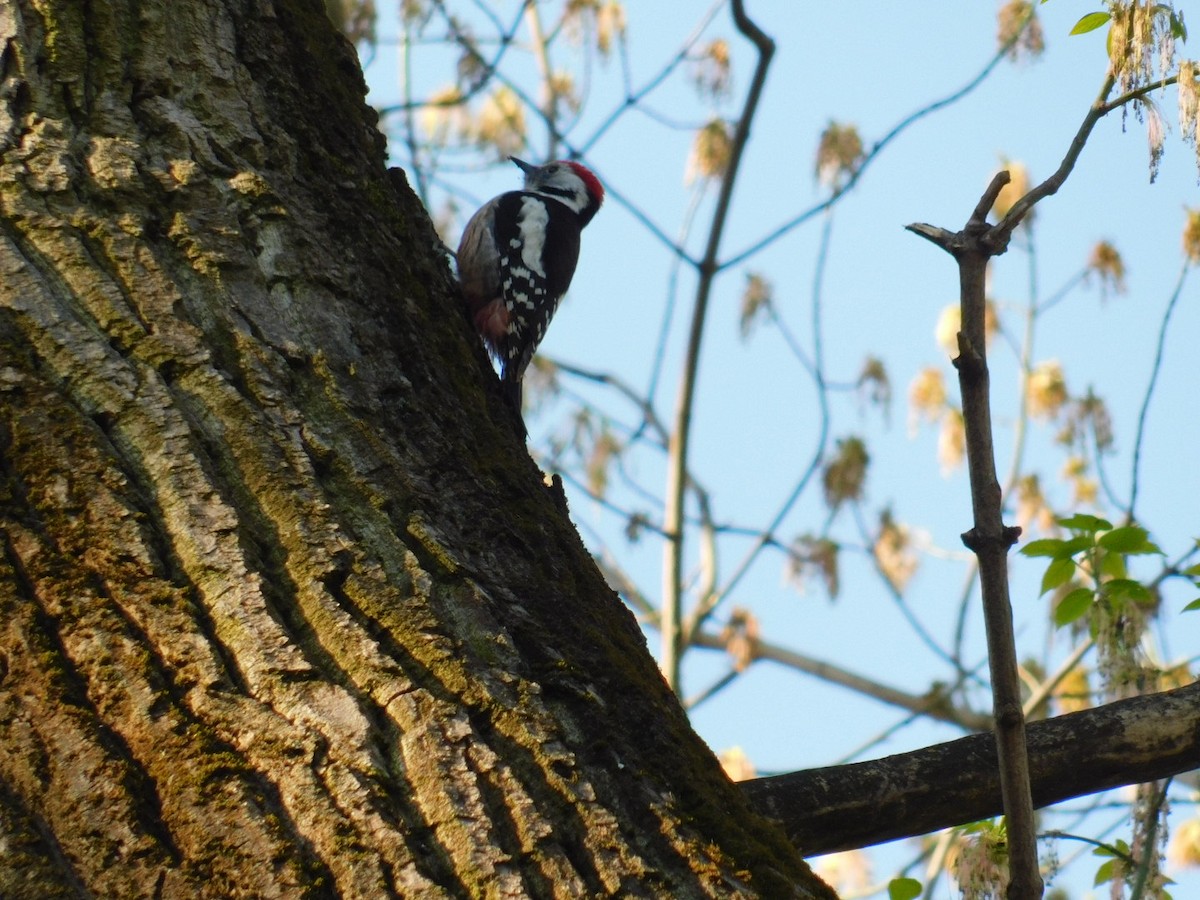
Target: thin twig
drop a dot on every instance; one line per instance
(1043, 690)
(633, 98)
(681, 428)
(417, 169)
(712, 690)
(980, 719)
(901, 604)
(817, 372)
(1020, 209)
(490, 68)
(1138, 93)
(972, 248)
(934, 704)
(643, 404)
(668, 316)
(1157, 367)
(541, 53)
(602, 500)
(1062, 293)
(1107, 848)
(1150, 844)
(896, 130)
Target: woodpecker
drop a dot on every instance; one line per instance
(516, 259)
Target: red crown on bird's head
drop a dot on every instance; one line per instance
(594, 188)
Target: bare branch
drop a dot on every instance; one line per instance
(1039, 694)
(988, 200)
(1051, 185)
(1158, 358)
(815, 369)
(842, 807)
(933, 704)
(876, 149)
(681, 430)
(1138, 93)
(642, 404)
(489, 67)
(988, 537)
(633, 98)
(541, 54)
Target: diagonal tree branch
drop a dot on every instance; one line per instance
(1100, 108)
(932, 704)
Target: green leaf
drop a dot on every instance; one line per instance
(1056, 548)
(1084, 522)
(978, 827)
(1178, 29)
(1073, 606)
(1127, 589)
(1195, 604)
(1059, 572)
(1132, 540)
(1192, 571)
(1078, 544)
(1091, 22)
(904, 889)
(1104, 873)
(1045, 547)
(1112, 565)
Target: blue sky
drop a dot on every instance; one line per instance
(869, 64)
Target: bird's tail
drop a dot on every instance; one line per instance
(510, 388)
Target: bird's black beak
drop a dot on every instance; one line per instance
(522, 165)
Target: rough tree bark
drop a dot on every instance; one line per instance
(285, 608)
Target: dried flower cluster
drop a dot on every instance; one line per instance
(1106, 265)
(839, 154)
(846, 473)
(1019, 29)
(756, 302)
(711, 150)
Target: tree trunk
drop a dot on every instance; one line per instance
(285, 608)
